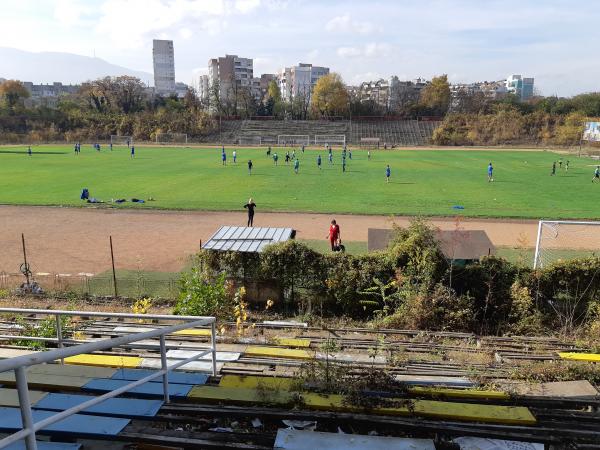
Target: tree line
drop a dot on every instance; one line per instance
(125, 106)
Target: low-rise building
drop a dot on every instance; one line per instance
(48, 94)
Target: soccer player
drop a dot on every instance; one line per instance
(223, 156)
(296, 165)
(250, 206)
(350, 154)
(596, 174)
(369, 155)
(132, 151)
(234, 154)
(76, 152)
(287, 157)
(344, 163)
(330, 158)
(560, 163)
(302, 148)
(388, 173)
(334, 234)
(111, 146)
(553, 169)
(249, 167)
(29, 150)
(293, 154)
(269, 151)
(490, 172)
(567, 166)
(275, 158)
(319, 162)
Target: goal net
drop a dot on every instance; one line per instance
(249, 140)
(565, 239)
(369, 142)
(121, 140)
(293, 139)
(171, 138)
(331, 139)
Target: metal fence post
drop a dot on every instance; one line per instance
(213, 347)
(25, 405)
(59, 337)
(163, 363)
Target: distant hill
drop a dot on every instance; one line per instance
(68, 68)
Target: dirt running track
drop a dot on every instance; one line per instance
(75, 240)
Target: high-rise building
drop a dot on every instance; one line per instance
(163, 57)
(231, 73)
(299, 80)
(203, 88)
(520, 86)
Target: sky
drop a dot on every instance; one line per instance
(553, 41)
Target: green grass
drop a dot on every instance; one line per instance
(424, 182)
(525, 256)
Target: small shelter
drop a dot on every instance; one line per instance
(247, 239)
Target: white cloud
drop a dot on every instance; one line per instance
(185, 33)
(345, 24)
(71, 12)
(245, 6)
(372, 50)
(349, 52)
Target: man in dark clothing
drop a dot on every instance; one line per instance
(250, 205)
(249, 167)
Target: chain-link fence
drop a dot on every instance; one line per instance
(133, 287)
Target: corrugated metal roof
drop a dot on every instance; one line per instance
(247, 239)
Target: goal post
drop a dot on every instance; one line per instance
(330, 139)
(171, 138)
(565, 239)
(250, 140)
(116, 139)
(369, 142)
(293, 139)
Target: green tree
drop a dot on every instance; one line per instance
(12, 91)
(330, 96)
(436, 95)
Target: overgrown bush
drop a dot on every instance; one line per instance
(201, 295)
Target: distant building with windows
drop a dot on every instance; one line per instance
(48, 94)
(163, 56)
(230, 73)
(203, 88)
(520, 86)
(390, 94)
(299, 80)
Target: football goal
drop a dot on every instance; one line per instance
(293, 139)
(121, 140)
(565, 239)
(369, 142)
(249, 140)
(171, 138)
(331, 139)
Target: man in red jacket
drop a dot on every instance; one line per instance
(334, 235)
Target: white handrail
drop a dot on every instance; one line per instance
(19, 364)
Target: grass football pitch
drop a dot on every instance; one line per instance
(423, 182)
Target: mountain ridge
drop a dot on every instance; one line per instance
(67, 68)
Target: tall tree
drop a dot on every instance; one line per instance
(13, 91)
(436, 95)
(330, 96)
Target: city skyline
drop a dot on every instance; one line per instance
(361, 41)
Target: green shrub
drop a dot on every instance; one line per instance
(202, 296)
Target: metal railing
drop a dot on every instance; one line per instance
(20, 363)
